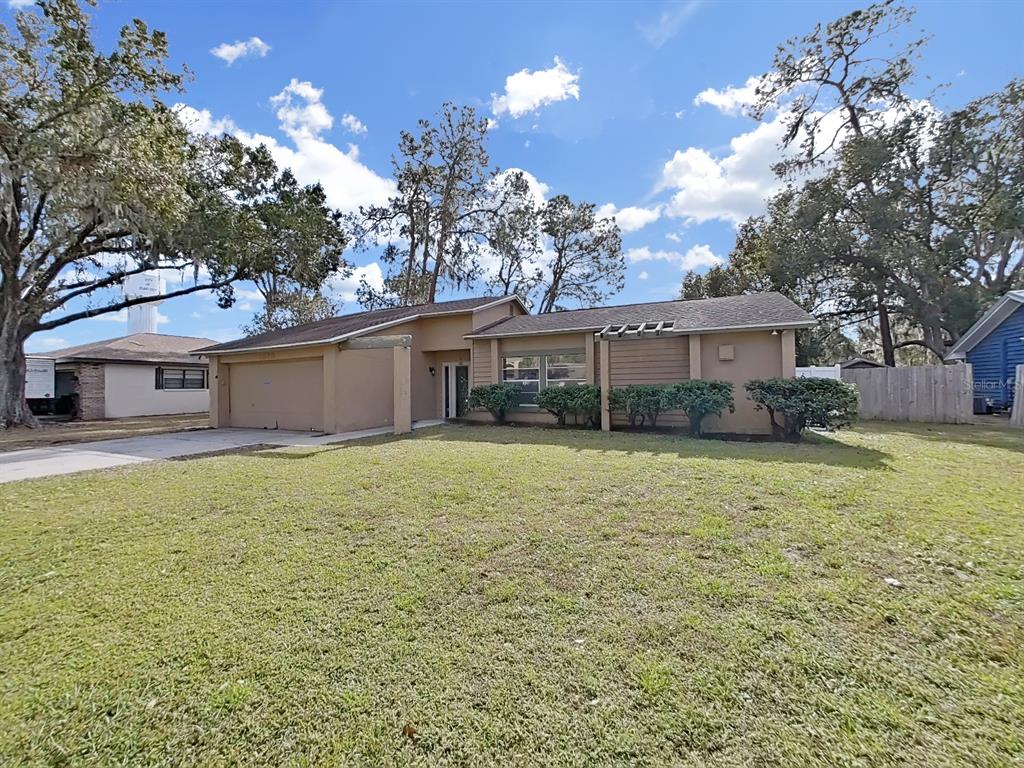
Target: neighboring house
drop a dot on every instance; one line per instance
(144, 374)
(394, 366)
(860, 362)
(994, 346)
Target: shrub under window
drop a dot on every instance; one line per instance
(801, 403)
(534, 373)
(497, 399)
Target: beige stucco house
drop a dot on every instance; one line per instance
(396, 366)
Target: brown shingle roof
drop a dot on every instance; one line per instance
(137, 348)
(334, 328)
(757, 310)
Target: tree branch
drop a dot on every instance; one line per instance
(86, 313)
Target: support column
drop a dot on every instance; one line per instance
(588, 350)
(606, 384)
(695, 356)
(220, 393)
(330, 389)
(788, 354)
(495, 362)
(403, 389)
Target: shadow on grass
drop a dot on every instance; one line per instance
(986, 435)
(816, 449)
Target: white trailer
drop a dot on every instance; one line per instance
(39, 378)
(819, 372)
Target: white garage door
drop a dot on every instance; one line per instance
(285, 395)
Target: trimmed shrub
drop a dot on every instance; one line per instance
(498, 399)
(642, 402)
(581, 401)
(700, 398)
(801, 403)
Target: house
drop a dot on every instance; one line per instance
(143, 374)
(396, 366)
(860, 362)
(994, 346)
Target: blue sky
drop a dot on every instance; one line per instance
(633, 106)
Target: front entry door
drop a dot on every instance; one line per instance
(456, 390)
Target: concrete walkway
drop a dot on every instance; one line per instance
(103, 454)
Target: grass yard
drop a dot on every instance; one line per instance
(484, 596)
(59, 433)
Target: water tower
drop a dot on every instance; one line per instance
(142, 317)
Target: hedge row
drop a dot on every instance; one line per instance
(799, 403)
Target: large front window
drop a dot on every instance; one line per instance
(532, 373)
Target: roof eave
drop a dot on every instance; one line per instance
(980, 330)
(678, 332)
(341, 337)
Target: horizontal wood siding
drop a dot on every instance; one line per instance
(650, 361)
(995, 360)
(481, 363)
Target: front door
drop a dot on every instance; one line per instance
(456, 390)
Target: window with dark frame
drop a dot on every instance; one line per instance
(532, 373)
(181, 378)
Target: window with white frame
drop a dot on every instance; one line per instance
(532, 373)
(181, 378)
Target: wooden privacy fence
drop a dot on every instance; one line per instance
(935, 393)
(1017, 414)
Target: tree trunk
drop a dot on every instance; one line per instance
(885, 333)
(13, 407)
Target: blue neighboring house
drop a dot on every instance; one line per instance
(995, 347)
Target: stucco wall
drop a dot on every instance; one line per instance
(130, 390)
(757, 355)
(364, 392)
(486, 317)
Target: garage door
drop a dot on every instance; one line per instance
(286, 395)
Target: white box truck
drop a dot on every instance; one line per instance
(39, 378)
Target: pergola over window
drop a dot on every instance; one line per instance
(639, 330)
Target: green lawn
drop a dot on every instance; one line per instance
(484, 596)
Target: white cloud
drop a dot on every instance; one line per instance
(41, 342)
(631, 218)
(679, 114)
(643, 276)
(675, 238)
(669, 22)
(231, 52)
(731, 100)
(527, 91)
(347, 182)
(730, 188)
(300, 110)
(345, 288)
(196, 316)
(698, 257)
(18, 5)
(737, 185)
(353, 124)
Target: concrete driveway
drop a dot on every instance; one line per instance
(103, 454)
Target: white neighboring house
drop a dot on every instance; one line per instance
(143, 374)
